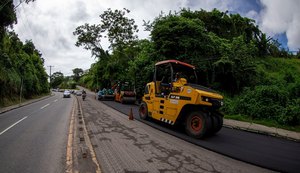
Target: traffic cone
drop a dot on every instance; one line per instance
(130, 114)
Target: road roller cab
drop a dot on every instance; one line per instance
(174, 97)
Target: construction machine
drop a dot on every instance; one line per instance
(174, 97)
(124, 93)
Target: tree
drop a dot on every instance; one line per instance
(8, 15)
(180, 38)
(223, 24)
(235, 69)
(89, 36)
(77, 73)
(120, 31)
(146, 57)
(56, 79)
(21, 66)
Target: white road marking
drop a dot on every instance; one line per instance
(45, 106)
(55, 100)
(13, 125)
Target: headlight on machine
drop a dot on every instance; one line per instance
(206, 99)
(213, 101)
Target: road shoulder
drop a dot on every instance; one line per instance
(9, 108)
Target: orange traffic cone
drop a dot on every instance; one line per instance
(130, 114)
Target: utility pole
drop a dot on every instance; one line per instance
(50, 66)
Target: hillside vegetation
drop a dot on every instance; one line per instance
(276, 96)
(22, 70)
(230, 52)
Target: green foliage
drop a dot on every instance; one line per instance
(276, 98)
(292, 114)
(77, 73)
(89, 36)
(120, 31)
(146, 59)
(266, 102)
(236, 68)
(230, 52)
(67, 83)
(263, 102)
(57, 79)
(176, 37)
(224, 25)
(7, 15)
(20, 65)
(222, 46)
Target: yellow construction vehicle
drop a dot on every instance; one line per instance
(125, 93)
(174, 97)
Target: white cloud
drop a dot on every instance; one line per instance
(252, 14)
(282, 17)
(50, 23)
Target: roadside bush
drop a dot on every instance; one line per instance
(266, 102)
(292, 114)
(294, 90)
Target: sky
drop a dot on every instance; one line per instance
(50, 23)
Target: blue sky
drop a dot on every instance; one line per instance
(50, 23)
(257, 6)
(243, 7)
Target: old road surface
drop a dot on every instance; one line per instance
(122, 145)
(33, 138)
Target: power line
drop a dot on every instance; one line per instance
(19, 4)
(2, 6)
(26, 24)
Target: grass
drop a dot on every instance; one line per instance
(265, 122)
(276, 68)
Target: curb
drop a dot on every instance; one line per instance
(9, 108)
(275, 134)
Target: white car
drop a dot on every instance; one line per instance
(67, 94)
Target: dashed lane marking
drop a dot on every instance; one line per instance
(45, 106)
(12, 125)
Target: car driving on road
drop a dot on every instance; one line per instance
(67, 94)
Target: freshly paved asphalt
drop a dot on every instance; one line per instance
(33, 138)
(265, 151)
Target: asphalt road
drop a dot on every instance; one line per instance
(265, 151)
(122, 145)
(33, 138)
